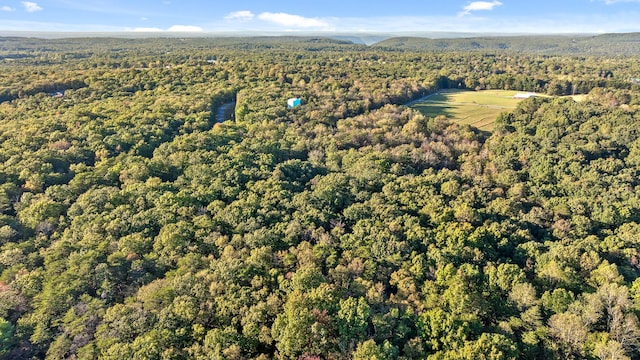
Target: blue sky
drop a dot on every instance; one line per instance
(499, 16)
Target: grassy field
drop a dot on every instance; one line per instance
(476, 108)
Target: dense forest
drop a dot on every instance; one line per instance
(134, 225)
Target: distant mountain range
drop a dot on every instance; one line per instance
(605, 44)
(574, 44)
(356, 38)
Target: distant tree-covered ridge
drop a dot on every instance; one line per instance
(599, 45)
(133, 225)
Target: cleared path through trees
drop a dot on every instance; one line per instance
(223, 110)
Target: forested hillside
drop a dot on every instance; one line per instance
(135, 226)
(627, 44)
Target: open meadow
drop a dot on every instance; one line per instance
(476, 108)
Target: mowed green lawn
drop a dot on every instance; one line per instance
(476, 108)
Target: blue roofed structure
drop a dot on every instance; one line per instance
(293, 102)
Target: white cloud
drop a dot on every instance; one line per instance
(7, 8)
(290, 20)
(31, 6)
(478, 6)
(185, 28)
(147, 29)
(240, 15)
